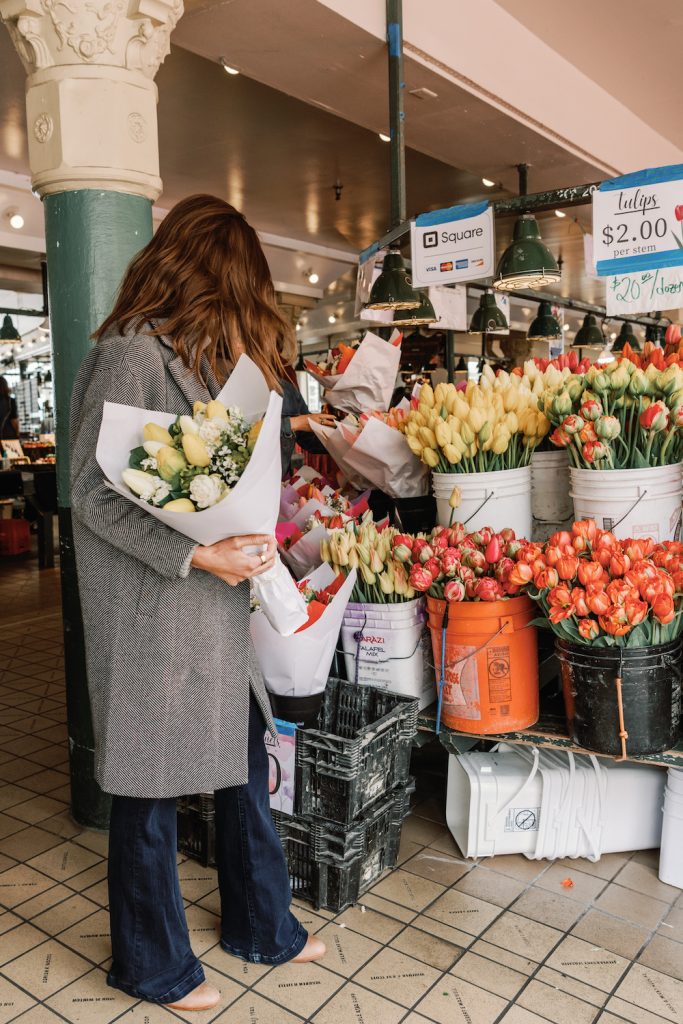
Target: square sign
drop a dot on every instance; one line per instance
(638, 222)
(453, 245)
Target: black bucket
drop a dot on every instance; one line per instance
(415, 515)
(651, 696)
(303, 711)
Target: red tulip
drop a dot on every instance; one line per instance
(450, 561)
(678, 212)
(579, 605)
(588, 628)
(545, 579)
(488, 589)
(560, 597)
(454, 590)
(493, 550)
(619, 564)
(597, 599)
(521, 575)
(636, 610)
(420, 579)
(585, 528)
(433, 567)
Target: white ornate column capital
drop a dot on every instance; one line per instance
(91, 98)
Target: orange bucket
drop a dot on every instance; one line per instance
(490, 664)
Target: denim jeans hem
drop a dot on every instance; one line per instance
(293, 950)
(179, 991)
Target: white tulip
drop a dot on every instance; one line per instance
(188, 425)
(152, 447)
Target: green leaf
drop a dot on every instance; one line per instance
(638, 460)
(639, 636)
(677, 241)
(136, 457)
(541, 623)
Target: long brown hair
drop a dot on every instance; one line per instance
(205, 275)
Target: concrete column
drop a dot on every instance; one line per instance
(93, 149)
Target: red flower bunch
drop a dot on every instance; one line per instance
(568, 360)
(318, 600)
(454, 565)
(596, 589)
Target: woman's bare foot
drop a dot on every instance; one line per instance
(203, 997)
(314, 949)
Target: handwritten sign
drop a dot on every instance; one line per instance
(646, 291)
(638, 221)
(450, 307)
(453, 245)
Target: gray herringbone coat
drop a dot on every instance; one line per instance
(169, 654)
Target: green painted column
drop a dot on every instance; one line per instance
(91, 236)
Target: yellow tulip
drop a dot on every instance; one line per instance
(198, 407)
(353, 558)
(386, 583)
(510, 400)
(215, 410)
(461, 408)
(476, 418)
(415, 445)
(430, 458)
(426, 395)
(511, 422)
(501, 443)
(367, 574)
(440, 392)
(153, 432)
(195, 451)
(466, 433)
(427, 436)
(452, 454)
(179, 505)
(412, 428)
(442, 434)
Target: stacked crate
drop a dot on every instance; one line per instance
(352, 793)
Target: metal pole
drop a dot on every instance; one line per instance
(450, 355)
(396, 114)
(523, 172)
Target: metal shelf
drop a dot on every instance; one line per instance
(547, 732)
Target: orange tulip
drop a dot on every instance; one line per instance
(588, 628)
(591, 572)
(663, 608)
(567, 567)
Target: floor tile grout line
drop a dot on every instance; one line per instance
(43, 1002)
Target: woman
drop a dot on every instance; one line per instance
(9, 418)
(296, 424)
(178, 703)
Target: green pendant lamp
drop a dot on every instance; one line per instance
(418, 317)
(8, 331)
(300, 364)
(488, 318)
(589, 334)
(626, 334)
(392, 289)
(545, 326)
(527, 262)
(656, 333)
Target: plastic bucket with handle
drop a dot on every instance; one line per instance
(499, 500)
(630, 502)
(550, 498)
(486, 663)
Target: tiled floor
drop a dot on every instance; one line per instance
(438, 940)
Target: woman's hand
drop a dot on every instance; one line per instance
(230, 562)
(304, 422)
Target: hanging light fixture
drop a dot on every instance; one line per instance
(300, 364)
(392, 289)
(421, 315)
(488, 318)
(656, 333)
(527, 262)
(8, 331)
(545, 326)
(589, 334)
(626, 336)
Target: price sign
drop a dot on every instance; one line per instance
(453, 245)
(645, 292)
(638, 222)
(450, 307)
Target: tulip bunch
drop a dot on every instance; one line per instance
(568, 361)
(194, 463)
(335, 522)
(595, 589)
(381, 577)
(454, 565)
(317, 600)
(493, 425)
(619, 416)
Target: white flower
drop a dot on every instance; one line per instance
(210, 432)
(142, 484)
(206, 491)
(161, 493)
(149, 465)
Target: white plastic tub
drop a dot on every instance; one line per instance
(670, 854)
(550, 498)
(501, 499)
(390, 652)
(551, 804)
(630, 502)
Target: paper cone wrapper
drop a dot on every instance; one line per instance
(299, 665)
(381, 454)
(252, 504)
(304, 556)
(367, 384)
(333, 440)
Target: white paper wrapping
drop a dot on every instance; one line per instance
(367, 384)
(335, 443)
(299, 665)
(381, 455)
(304, 556)
(250, 507)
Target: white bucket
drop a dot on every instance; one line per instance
(499, 500)
(392, 654)
(550, 804)
(550, 498)
(674, 781)
(670, 857)
(403, 611)
(630, 502)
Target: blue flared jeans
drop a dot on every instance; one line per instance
(152, 956)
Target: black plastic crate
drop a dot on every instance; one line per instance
(331, 865)
(197, 828)
(360, 752)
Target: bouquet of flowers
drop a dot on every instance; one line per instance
(597, 590)
(299, 540)
(299, 665)
(489, 426)
(619, 416)
(454, 565)
(212, 475)
(360, 376)
(367, 551)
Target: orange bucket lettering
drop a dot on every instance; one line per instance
(491, 664)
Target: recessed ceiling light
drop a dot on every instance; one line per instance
(298, 327)
(560, 213)
(384, 137)
(313, 277)
(565, 327)
(16, 221)
(488, 182)
(228, 68)
(526, 311)
(332, 319)
(613, 335)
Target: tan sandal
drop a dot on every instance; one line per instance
(203, 997)
(314, 949)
